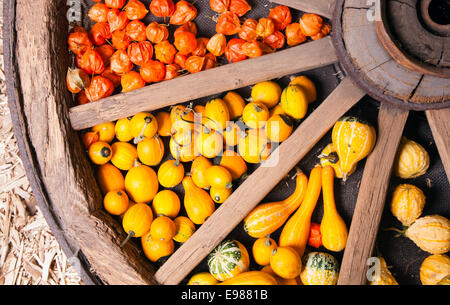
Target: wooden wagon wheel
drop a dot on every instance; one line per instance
(90, 233)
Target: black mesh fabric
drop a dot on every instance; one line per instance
(400, 253)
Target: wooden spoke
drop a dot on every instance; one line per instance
(324, 8)
(372, 196)
(259, 184)
(182, 89)
(440, 127)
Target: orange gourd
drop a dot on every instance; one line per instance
(164, 123)
(286, 262)
(185, 229)
(124, 155)
(296, 230)
(217, 111)
(142, 125)
(150, 151)
(116, 202)
(234, 163)
(198, 171)
(156, 249)
(251, 278)
(219, 177)
(137, 221)
(106, 131)
(162, 228)
(220, 195)
(197, 202)
(141, 183)
(122, 130)
(167, 203)
(170, 173)
(262, 250)
(100, 152)
(110, 178)
(268, 217)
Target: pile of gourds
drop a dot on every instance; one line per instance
(286, 262)
(216, 141)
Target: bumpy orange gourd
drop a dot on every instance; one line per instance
(328, 156)
(412, 160)
(431, 234)
(385, 276)
(124, 155)
(141, 183)
(407, 203)
(197, 202)
(251, 278)
(434, 268)
(262, 250)
(268, 217)
(170, 173)
(333, 228)
(296, 230)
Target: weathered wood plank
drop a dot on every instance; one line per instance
(264, 179)
(440, 127)
(182, 89)
(324, 8)
(372, 196)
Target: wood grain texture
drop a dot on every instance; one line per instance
(324, 8)
(372, 196)
(259, 184)
(186, 88)
(57, 161)
(439, 121)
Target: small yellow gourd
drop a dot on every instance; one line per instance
(197, 202)
(262, 250)
(185, 228)
(294, 101)
(202, 278)
(385, 276)
(267, 92)
(307, 85)
(235, 104)
(162, 228)
(116, 202)
(412, 160)
(124, 155)
(143, 124)
(234, 163)
(100, 153)
(110, 178)
(167, 203)
(199, 110)
(123, 130)
(333, 228)
(278, 109)
(156, 249)
(254, 147)
(208, 143)
(164, 123)
(106, 131)
(329, 156)
(407, 203)
(198, 171)
(434, 269)
(150, 151)
(353, 140)
(141, 183)
(232, 134)
(184, 153)
(431, 234)
(286, 262)
(170, 173)
(217, 110)
(255, 115)
(279, 127)
(219, 177)
(137, 221)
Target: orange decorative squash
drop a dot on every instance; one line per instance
(234, 163)
(170, 173)
(197, 202)
(116, 202)
(110, 178)
(286, 262)
(163, 229)
(151, 151)
(142, 125)
(262, 250)
(124, 155)
(141, 183)
(251, 278)
(266, 218)
(137, 221)
(198, 171)
(100, 152)
(167, 203)
(156, 249)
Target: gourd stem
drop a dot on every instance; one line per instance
(267, 242)
(400, 232)
(130, 234)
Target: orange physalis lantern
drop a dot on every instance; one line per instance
(276, 40)
(172, 71)
(105, 51)
(153, 71)
(233, 52)
(100, 32)
(324, 31)
(281, 16)
(185, 42)
(219, 6)
(228, 24)
(135, 10)
(113, 77)
(99, 88)
(140, 52)
(294, 34)
(165, 52)
(120, 62)
(136, 30)
(162, 8)
(188, 26)
(120, 39)
(217, 44)
(117, 19)
(184, 12)
(265, 27)
(79, 41)
(157, 32)
(98, 12)
(248, 30)
(239, 7)
(92, 62)
(195, 64)
(131, 80)
(201, 50)
(310, 24)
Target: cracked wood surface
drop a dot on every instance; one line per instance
(440, 127)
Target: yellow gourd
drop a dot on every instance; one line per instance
(116, 202)
(255, 115)
(267, 92)
(412, 160)
(279, 127)
(319, 268)
(137, 221)
(164, 123)
(353, 140)
(280, 280)
(162, 228)
(167, 203)
(141, 183)
(110, 178)
(181, 113)
(266, 218)
(295, 232)
(384, 277)
(170, 173)
(434, 269)
(407, 203)
(333, 228)
(294, 101)
(184, 153)
(329, 156)
(198, 171)
(150, 151)
(106, 131)
(278, 109)
(185, 228)
(199, 110)
(232, 134)
(286, 262)
(156, 249)
(218, 112)
(262, 250)
(444, 281)
(431, 234)
(234, 163)
(100, 152)
(202, 278)
(219, 177)
(307, 85)
(235, 104)
(124, 155)
(208, 143)
(123, 130)
(253, 147)
(143, 124)
(220, 195)
(197, 202)
(251, 278)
